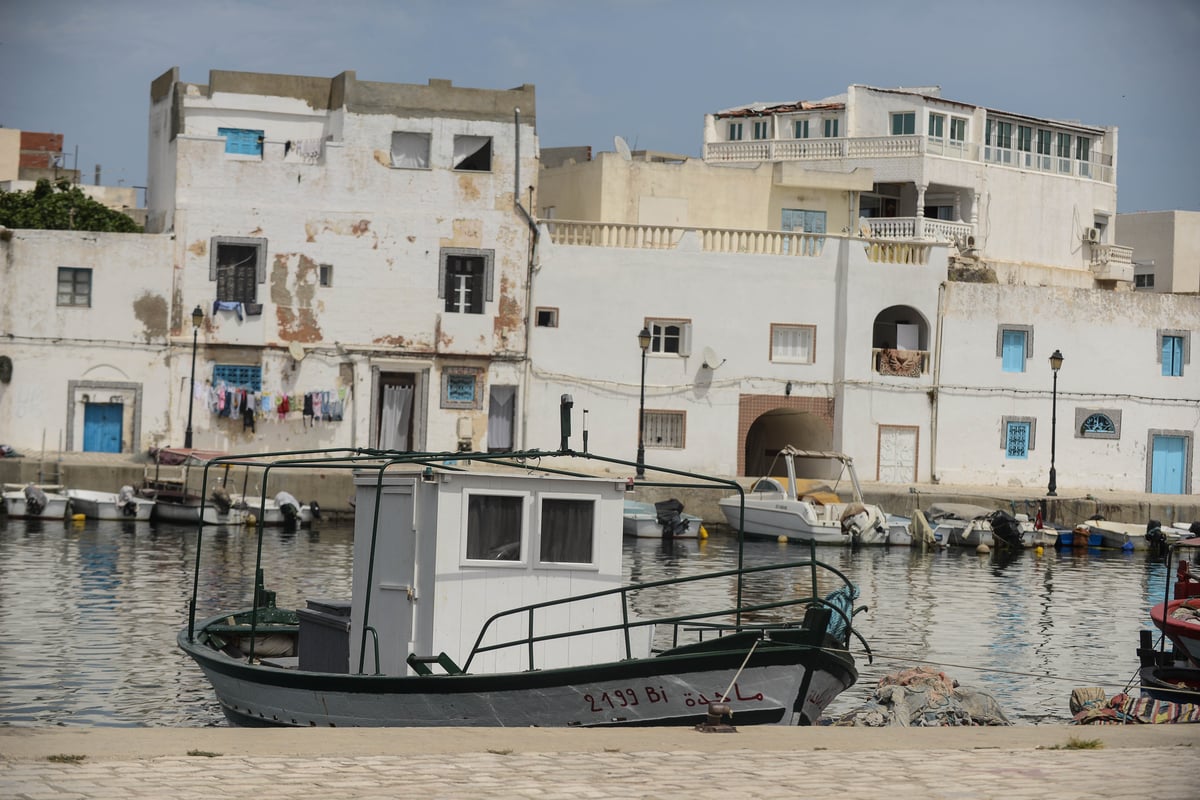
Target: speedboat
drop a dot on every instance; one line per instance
(662, 520)
(775, 510)
(123, 505)
(425, 638)
(35, 501)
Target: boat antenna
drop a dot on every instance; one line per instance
(564, 420)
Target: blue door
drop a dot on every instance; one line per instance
(1167, 464)
(102, 427)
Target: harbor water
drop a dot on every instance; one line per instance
(89, 612)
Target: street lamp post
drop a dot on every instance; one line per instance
(644, 343)
(1056, 359)
(197, 320)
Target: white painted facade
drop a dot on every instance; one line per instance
(946, 170)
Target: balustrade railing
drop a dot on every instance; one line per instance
(666, 237)
(1112, 262)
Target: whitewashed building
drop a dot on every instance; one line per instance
(359, 251)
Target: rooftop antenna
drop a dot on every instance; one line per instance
(564, 420)
(622, 147)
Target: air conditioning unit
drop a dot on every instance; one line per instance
(1091, 235)
(970, 242)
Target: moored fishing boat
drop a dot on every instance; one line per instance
(123, 505)
(662, 520)
(436, 547)
(35, 501)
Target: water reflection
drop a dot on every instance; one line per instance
(89, 612)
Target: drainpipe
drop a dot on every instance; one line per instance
(937, 382)
(528, 273)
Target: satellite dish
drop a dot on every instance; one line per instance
(711, 359)
(296, 351)
(622, 147)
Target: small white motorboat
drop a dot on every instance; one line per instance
(661, 521)
(122, 505)
(35, 501)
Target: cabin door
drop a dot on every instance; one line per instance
(1167, 464)
(897, 454)
(102, 423)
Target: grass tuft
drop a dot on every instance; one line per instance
(506, 752)
(1079, 744)
(63, 758)
(204, 753)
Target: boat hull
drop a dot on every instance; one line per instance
(15, 507)
(167, 511)
(1179, 620)
(1118, 535)
(106, 506)
(640, 520)
(779, 684)
(773, 519)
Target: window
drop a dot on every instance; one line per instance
(937, 124)
(1018, 437)
(1064, 152)
(494, 526)
(800, 219)
(566, 531)
(904, 124)
(75, 286)
(760, 129)
(1097, 423)
(1013, 345)
(1024, 138)
(735, 131)
(238, 265)
(473, 153)
(1144, 280)
(793, 343)
(670, 336)
(547, 317)
(958, 129)
(411, 150)
(242, 141)
(465, 280)
(325, 274)
(801, 128)
(1083, 147)
(1174, 348)
(462, 387)
(1043, 148)
(831, 128)
(1004, 134)
(664, 429)
(238, 376)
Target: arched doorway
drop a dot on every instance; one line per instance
(779, 427)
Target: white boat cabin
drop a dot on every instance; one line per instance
(454, 548)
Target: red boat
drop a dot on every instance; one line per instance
(1179, 617)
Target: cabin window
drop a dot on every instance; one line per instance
(904, 124)
(473, 153)
(494, 526)
(547, 317)
(465, 279)
(664, 429)
(1018, 436)
(735, 131)
(1013, 345)
(238, 376)
(75, 286)
(567, 531)
(242, 141)
(1174, 350)
(672, 336)
(237, 264)
(410, 150)
(793, 343)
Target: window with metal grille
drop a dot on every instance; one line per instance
(75, 286)
(665, 429)
(238, 376)
(566, 531)
(1017, 440)
(1098, 423)
(462, 387)
(242, 141)
(238, 265)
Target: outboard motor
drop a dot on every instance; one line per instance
(126, 502)
(315, 509)
(289, 506)
(35, 500)
(669, 515)
(1155, 538)
(221, 499)
(1006, 531)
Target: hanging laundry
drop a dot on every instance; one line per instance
(308, 408)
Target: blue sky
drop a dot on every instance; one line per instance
(647, 70)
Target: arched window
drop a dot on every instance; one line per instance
(1098, 423)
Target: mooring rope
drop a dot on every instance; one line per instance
(725, 696)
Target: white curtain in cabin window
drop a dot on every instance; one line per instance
(394, 420)
(501, 408)
(410, 150)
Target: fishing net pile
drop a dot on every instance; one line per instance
(925, 698)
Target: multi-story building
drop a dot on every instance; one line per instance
(951, 171)
(1167, 244)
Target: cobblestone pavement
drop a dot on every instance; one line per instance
(1159, 773)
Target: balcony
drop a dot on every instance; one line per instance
(939, 230)
(900, 363)
(1098, 168)
(668, 237)
(1112, 262)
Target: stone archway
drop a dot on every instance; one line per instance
(767, 423)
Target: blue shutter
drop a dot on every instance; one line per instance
(242, 141)
(1016, 440)
(1172, 356)
(1013, 350)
